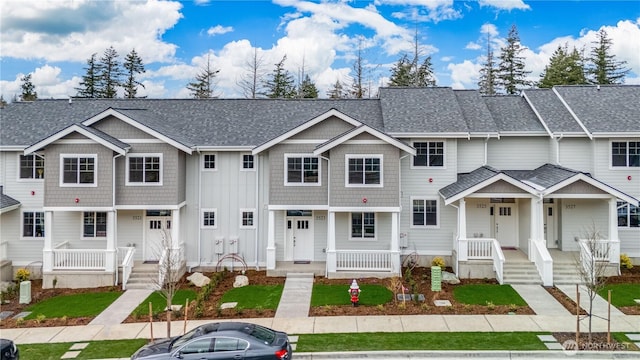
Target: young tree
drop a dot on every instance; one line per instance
(251, 81)
(132, 67)
(203, 86)
(358, 90)
(110, 74)
(280, 83)
(401, 72)
(90, 84)
(308, 89)
(488, 81)
(28, 89)
(511, 73)
(605, 69)
(564, 69)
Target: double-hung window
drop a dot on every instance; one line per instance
(31, 167)
(424, 212)
(209, 218)
(78, 170)
(363, 226)
(628, 215)
(144, 169)
(32, 224)
(429, 154)
(364, 170)
(302, 170)
(247, 162)
(94, 224)
(625, 154)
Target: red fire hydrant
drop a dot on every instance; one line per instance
(354, 291)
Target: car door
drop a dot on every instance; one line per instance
(229, 348)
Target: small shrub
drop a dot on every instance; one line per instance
(467, 307)
(425, 307)
(259, 310)
(380, 307)
(490, 305)
(40, 318)
(64, 319)
(513, 307)
(438, 261)
(20, 321)
(625, 261)
(22, 275)
(55, 282)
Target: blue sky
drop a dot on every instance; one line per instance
(53, 39)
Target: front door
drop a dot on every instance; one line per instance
(157, 228)
(300, 237)
(550, 226)
(505, 224)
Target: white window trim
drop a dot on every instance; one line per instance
(18, 169)
(375, 229)
(253, 211)
(79, 156)
(427, 167)
(144, 155)
(347, 157)
(215, 168)
(286, 178)
(84, 238)
(242, 168)
(411, 225)
(610, 155)
(216, 219)
(22, 237)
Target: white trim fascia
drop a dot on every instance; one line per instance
(382, 209)
(9, 208)
(617, 135)
(297, 207)
(371, 131)
(79, 208)
(418, 135)
(13, 147)
(304, 141)
(223, 148)
(522, 133)
(593, 182)
(484, 135)
(407, 251)
(562, 134)
(66, 131)
(524, 195)
(304, 126)
(111, 112)
(489, 181)
(150, 207)
(143, 141)
(578, 196)
(535, 111)
(573, 114)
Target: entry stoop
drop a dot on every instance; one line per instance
(566, 274)
(143, 276)
(521, 273)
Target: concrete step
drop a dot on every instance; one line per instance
(524, 273)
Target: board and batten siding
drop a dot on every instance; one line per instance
(21, 251)
(20, 189)
(579, 218)
(518, 153)
(618, 177)
(470, 154)
(576, 154)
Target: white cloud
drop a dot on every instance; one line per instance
(47, 83)
(464, 75)
(219, 30)
(505, 4)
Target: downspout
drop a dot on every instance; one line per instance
(199, 208)
(115, 214)
(400, 195)
(486, 149)
(558, 139)
(326, 266)
(257, 172)
(455, 246)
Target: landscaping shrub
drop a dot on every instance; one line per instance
(625, 261)
(22, 275)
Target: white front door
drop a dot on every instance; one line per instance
(300, 237)
(505, 224)
(156, 229)
(550, 226)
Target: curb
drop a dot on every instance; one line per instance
(540, 354)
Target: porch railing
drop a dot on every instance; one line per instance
(172, 258)
(483, 249)
(543, 261)
(79, 259)
(363, 260)
(126, 263)
(593, 252)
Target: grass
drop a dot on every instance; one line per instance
(339, 295)
(254, 296)
(621, 294)
(481, 294)
(95, 349)
(159, 303)
(72, 306)
(420, 341)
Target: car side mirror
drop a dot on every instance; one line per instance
(178, 355)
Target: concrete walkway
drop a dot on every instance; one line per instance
(121, 308)
(540, 301)
(296, 296)
(600, 305)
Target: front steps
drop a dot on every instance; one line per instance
(143, 276)
(524, 273)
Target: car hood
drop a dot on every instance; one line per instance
(155, 348)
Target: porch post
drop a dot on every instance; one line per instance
(614, 240)
(271, 241)
(110, 253)
(175, 229)
(331, 243)
(462, 230)
(537, 225)
(47, 250)
(395, 249)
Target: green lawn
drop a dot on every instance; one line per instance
(622, 294)
(159, 303)
(71, 306)
(481, 294)
(339, 295)
(254, 296)
(95, 349)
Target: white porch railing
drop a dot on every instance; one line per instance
(79, 259)
(363, 260)
(173, 258)
(126, 263)
(543, 261)
(483, 249)
(4, 249)
(593, 251)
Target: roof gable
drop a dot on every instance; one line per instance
(355, 132)
(93, 134)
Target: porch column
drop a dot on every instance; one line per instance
(536, 232)
(47, 250)
(110, 263)
(462, 230)
(614, 240)
(271, 241)
(395, 249)
(175, 229)
(331, 243)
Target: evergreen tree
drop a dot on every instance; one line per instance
(280, 83)
(203, 86)
(110, 75)
(401, 72)
(511, 73)
(424, 76)
(410, 72)
(90, 84)
(132, 66)
(308, 89)
(488, 82)
(337, 91)
(604, 68)
(564, 69)
(28, 89)
(251, 82)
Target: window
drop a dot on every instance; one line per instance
(78, 170)
(429, 154)
(628, 215)
(625, 154)
(209, 161)
(363, 226)
(209, 218)
(247, 162)
(229, 344)
(32, 224)
(424, 212)
(144, 169)
(94, 224)
(247, 218)
(302, 170)
(364, 170)
(198, 346)
(31, 167)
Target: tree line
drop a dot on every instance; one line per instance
(500, 75)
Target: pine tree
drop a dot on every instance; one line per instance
(511, 73)
(251, 82)
(604, 68)
(424, 76)
(564, 69)
(89, 86)
(28, 89)
(410, 72)
(488, 82)
(401, 72)
(337, 91)
(132, 66)
(308, 89)
(110, 74)
(203, 86)
(280, 83)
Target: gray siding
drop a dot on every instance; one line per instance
(325, 130)
(120, 129)
(579, 187)
(470, 154)
(501, 187)
(294, 195)
(519, 153)
(576, 153)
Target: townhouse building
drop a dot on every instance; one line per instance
(92, 187)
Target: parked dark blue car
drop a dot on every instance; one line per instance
(9, 350)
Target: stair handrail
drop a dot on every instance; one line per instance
(544, 262)
(127, 266)
(498, 261)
